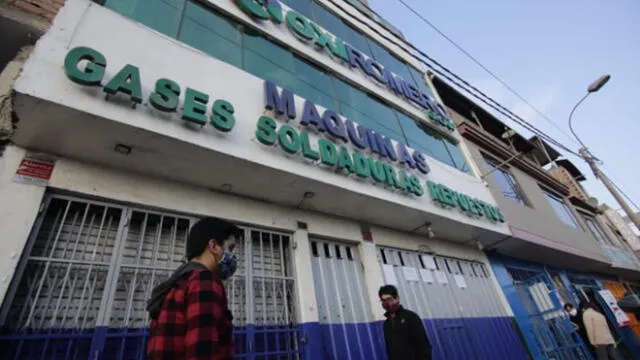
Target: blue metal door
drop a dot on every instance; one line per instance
(551, 329)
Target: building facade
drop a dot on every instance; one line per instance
(562, 248)
(299, 120)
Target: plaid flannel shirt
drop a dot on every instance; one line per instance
(194, 322)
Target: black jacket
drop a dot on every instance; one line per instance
(582, 331)
(405, 336)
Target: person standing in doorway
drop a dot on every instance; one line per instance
(190, 319)
(576, 321)
(404, 332)
(598, 332)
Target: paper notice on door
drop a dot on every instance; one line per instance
(462, 284)
(389, 274)
(429, 262)
(441, 277)
(426, 275)
(621, 318)
(410, 273)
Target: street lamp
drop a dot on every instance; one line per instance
(586, 156)
(595, 86)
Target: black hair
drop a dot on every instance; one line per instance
(586, 305)
(388, 290)
(569, 305)
(206, 229)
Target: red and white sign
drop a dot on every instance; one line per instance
(612, 303)
(34, 171)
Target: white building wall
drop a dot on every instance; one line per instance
(121, 46)
(19, 206)
(20, 211)
(83, 23)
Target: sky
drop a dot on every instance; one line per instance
(549, 51)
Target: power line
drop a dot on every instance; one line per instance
(622, 192)
(475, 92)
(484, 98)
(477, 62)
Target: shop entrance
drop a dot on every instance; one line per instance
(80, 290)
(548, 325)
(346, 323)
(627, 342)
(457, 301)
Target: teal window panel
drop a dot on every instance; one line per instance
(457, 156)
(211, 33)
(161, 15)
(421, 137)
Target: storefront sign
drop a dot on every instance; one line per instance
(165, 97)
(621, 318)
(370, 157)
(311, 33)
(34, 170)
(334, 153)
(473, 207)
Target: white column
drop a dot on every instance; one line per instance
(304, 277)
(373, 277)
(19, 206)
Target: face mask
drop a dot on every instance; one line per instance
(573, 312)
(228, 265)
(390, 305)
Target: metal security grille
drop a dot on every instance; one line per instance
(81, 290)
(432, 290)
(549, 326)
(343, 307)
(151, 248)
(261, 296)
(455, 297)
(57, 303)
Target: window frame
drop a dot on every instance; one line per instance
(550, 195)
(493, 165)
(587, 218)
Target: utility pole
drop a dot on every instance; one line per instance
(607, 183)
(584, 153)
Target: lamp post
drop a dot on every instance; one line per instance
(590, 159)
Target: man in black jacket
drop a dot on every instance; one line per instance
(404, 332)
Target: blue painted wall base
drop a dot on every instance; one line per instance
(452, 339)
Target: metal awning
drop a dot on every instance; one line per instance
(572, 169)
(543, 152)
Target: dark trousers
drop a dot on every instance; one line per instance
(606, 352)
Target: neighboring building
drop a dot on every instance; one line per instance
(567, 173)
(131, 119)
(632, 226)
(561, 249)
(624, 226)
(623, 231)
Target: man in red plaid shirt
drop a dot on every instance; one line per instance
(190, 319)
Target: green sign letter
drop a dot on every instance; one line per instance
(256, 9)
(195, 106)
(299, 25)
(307, 151)
(93, 71)
(362, 165)
(328, 152)
(126, 81)
(344, 160)
(222, 117)
(166, 97)
(289, 139)
(266, 130)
